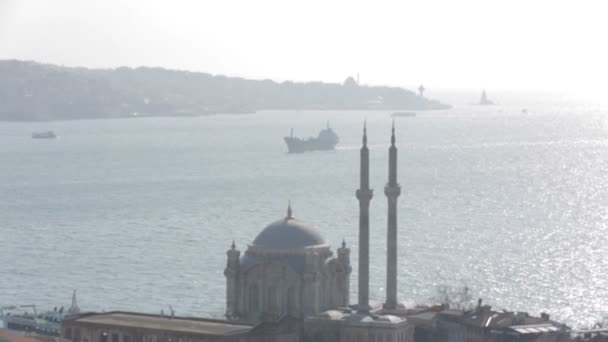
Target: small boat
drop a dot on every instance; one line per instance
(46, 323)
(403, 114)
(44, 135)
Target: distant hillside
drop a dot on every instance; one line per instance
(33, 91)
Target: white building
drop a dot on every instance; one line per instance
(289, 269)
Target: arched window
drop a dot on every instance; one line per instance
(253, 298)
(291, 301)
(272, 299)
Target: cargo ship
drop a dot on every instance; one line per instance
(326, 140)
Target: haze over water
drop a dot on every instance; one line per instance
(137, 214)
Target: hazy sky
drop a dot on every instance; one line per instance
(506, 44)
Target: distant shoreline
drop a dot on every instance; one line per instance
(31, 91)
(212, 114)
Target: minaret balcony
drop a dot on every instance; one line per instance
(392, 190)
(365, 194)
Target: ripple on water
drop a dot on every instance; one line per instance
(513, 208)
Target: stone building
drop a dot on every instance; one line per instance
(483, 324)
(289, 269)
(118, 326)
(351, 326)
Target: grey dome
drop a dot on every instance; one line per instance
(288, 233)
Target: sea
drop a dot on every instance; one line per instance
(509, 201)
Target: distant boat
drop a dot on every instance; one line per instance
(44, 135)
(403, 114)
(326, 140)
(43, 323)
(484, 101)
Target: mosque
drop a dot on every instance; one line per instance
(290, 271)
(289, 286)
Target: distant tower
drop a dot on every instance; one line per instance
(421, 90)
(392, 190)
(74, 309)
(364, 194)
(358, 79)
(232, 272)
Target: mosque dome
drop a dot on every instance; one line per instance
(288, 233)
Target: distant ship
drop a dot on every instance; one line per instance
(483, 101)
(46, 323)
(44, 135)
(326, 140)
(403, 114)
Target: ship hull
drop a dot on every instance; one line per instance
(297, 145)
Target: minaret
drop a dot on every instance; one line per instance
(232, 273)
(392, 190)
(74, 309)
(364, 194)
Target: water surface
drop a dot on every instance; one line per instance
(137, 213)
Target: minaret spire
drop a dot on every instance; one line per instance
(364, 194)
(392, 190)
(289, 212)
(365, 133)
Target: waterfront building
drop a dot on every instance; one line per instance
(118, 326)
(483, 324)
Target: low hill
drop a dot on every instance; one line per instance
(34, 91)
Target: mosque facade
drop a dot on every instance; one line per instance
(288, 270)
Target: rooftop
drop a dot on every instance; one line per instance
(534, 328)
(14, 336)
(354, 318)
(166, 323)
(288, 233)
